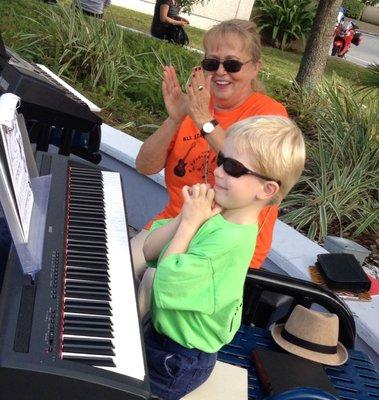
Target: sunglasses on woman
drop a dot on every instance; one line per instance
(212, 64)
(236, 169)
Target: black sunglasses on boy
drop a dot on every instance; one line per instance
(212, 64)
(236, 169)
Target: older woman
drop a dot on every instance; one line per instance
(224, 90)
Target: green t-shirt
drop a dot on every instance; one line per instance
(197, 296)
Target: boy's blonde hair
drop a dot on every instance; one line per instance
(246, 31)
(276, 148)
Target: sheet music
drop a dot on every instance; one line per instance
(13, 162)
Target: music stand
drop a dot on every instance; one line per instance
(30, 251)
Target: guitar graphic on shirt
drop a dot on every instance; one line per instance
(180, 168)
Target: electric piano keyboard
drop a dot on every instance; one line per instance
(73, 331)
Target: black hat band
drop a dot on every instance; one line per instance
(320, 348)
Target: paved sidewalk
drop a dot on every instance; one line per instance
(365, 27)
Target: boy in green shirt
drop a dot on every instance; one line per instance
(202, 255)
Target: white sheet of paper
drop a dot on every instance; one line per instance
(16, 162)
(6, 186)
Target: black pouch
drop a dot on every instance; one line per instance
(177, 34)
(342, 271)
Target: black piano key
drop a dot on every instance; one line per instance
(95, 361)
(81, 188)
(87, 213)
(85, 239)
(85, 223)
(94, 332)
(83, 294)
(85, 207)
(96, 259)
(101, 350)
(88, 342)
(88, 325)
(75, 265)
(76, 233)
(88, 176)
(78, 239)
(77, 170)
(86, 216)
(94, 323)
(87, 287)
(87, 284)
(91, 276)
(80, 303)
(82, 309)
(92, 181)
(84, 190)
(87, 244)
(82, 199)
(87, 272)
(88, 247)
(90, 202)
(88, 318)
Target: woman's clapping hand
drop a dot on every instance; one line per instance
(175, 100)
(199, 97)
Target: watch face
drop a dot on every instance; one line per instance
(208, 127)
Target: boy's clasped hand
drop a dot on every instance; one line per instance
(199, 204)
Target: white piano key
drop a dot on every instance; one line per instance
(93, 107)
(127, 341)
(128, 357)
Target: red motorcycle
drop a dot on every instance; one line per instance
(344, 37)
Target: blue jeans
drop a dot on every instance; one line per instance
(174, 370)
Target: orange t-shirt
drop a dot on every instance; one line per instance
(190, 159)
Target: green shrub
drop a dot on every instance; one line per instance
(338, 192)
(78, 47)
(285, 20)
(369, 82)
(354, 8)
(105, 57)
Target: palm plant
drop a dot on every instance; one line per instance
(80, 48)
(285, 20)
(338, 192)
(369, 81)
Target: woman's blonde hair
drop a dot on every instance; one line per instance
(276, 148)
(248, 34)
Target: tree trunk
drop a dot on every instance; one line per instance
(315, 56)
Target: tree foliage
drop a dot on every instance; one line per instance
(187, 5)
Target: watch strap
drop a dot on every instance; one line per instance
(214, 122)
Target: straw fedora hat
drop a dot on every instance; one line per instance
(312, 335)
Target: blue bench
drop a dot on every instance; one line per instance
(356, 379)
